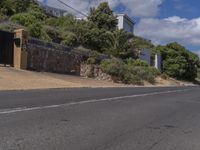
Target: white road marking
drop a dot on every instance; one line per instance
(24, 109)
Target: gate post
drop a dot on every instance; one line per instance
(20, 49)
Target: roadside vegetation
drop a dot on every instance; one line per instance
(198, 74)
(100, 35)
(130, 71)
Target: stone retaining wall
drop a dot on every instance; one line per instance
(53, 58)
(93, 71)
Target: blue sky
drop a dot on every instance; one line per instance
(161, 21)
(188, 9)
(183, 8)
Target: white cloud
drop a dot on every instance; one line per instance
(139, 8)
(161, 31)
(198, 53)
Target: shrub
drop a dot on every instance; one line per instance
(164, 76)
(53, 33)
(3, 17)
(178, 62)
(198, 74)
(144, 73)
(155, 72)
(36, 30)
(137, 62)
(113, 67)
(128, 73)
(91, 60)
(24, 19)
(130, 78)
(69, 39)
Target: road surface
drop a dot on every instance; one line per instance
(101, 119)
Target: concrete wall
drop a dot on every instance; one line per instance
(53, 58)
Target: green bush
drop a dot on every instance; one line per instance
(36, 30)
(130, 78)
(164, 76)
(145, 73)
(24, 19)
(69, 39)
(137, 62)
(178, 62)
(53, 33)
(128, 73)
(198, 73)
(91, 60)
(3, 17)
(113, 67)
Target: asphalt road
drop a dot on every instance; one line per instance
(101, 119)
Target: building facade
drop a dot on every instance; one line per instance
(145, 55)
(53, 11)
(154, 61)
(126, 23)
(158, 61)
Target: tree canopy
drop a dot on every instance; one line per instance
(178, 62)
(103, 17)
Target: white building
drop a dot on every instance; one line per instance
(145, 55)
(126, 23)
(53, 11)
(156, 61)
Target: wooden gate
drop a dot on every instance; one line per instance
(6, 47)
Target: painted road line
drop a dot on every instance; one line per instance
(24, 109)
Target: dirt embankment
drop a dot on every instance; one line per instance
(12, 79)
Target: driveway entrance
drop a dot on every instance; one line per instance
(6, 48)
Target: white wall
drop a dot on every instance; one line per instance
(158, 61)
(120, 22)
(124, 23)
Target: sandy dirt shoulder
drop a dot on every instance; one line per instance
(13, 79)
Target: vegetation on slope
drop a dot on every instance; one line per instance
(178, 62)
(99, 33)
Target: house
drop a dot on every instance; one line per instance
(154, 61)
(126, 23)
(53, 11)
(158, 61)
(145, 55)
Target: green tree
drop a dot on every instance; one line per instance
(24, 19)
(24, 5)
(141, 43)
(36, 30)
(7, 7)
(121, 45)
(103, 17)
(11, 7)
(178, 62)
